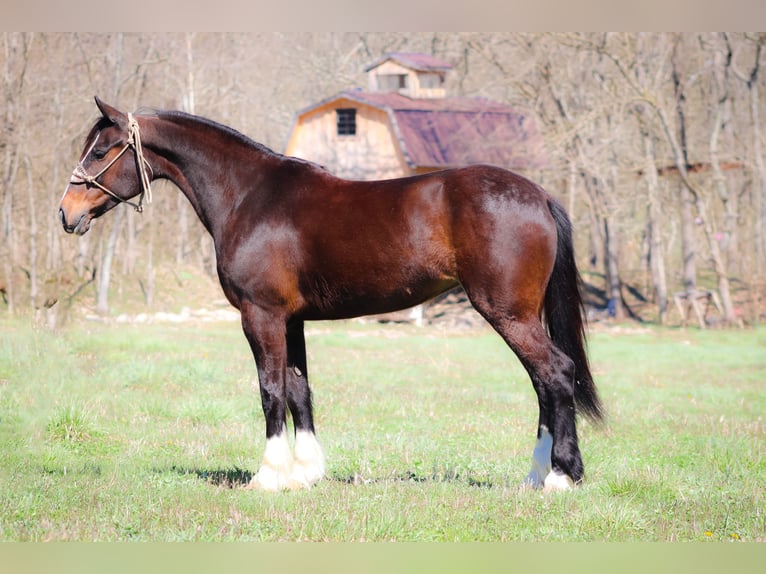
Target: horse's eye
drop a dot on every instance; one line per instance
(99, 153)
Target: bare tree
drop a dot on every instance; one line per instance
(751, 80)
(182, 205)
(597, 164)
(17, 48)
(675, 133)
(654, 226)
(650, 135)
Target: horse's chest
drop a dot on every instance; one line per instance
(260, 267)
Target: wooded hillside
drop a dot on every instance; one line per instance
(656, 142)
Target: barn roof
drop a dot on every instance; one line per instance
(414, 61)
(447, 132)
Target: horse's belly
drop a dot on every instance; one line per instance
(339, 302)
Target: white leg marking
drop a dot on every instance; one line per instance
(557, 481)
(541, 460)
(274, 473)
(309, 461)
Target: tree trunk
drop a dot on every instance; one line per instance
(105, 271)
(7, 248)
(688, 241)
(615, 306)
(32, 254)
(681, 153)
(182, 239)
(656, 256)
(129, 259)
(102, 301)
(16, 47)
(150, 272)
(182, 204)
(595, 241)
(759, 191)
(613, 235)
(598, 200)
(720, 96)
(81, 259)
(53, 251)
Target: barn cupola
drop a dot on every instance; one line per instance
(409, 74)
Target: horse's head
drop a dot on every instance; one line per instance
(106, 175)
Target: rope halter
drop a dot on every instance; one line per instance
(80, 176)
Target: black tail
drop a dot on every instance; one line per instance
(564, 315)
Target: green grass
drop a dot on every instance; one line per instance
(118, 432)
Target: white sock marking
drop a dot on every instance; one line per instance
(309, 460)
(274, 473)
(557, 481)
(541, 459)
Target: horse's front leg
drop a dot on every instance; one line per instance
(309, 464)
(265, 331)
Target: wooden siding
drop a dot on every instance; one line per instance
(315, 138)
(414, 88)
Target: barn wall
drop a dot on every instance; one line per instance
(372, 153)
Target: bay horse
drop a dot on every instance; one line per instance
(294, 243)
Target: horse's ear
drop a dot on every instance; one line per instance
(112, 114)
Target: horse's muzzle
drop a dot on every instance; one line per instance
(80, 226)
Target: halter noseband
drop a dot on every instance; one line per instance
(80, 176)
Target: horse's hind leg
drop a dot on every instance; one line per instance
(556, 460)
(557, 463)
(309, 463)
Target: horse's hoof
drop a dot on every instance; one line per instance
(304, 476)
(269, 479)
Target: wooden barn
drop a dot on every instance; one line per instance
(406, 124)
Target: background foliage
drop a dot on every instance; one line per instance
(655, 140)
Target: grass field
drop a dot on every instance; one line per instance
(127, 432)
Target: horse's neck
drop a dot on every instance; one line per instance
(201, 161)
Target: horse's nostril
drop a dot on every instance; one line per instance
(67, 227)
(62, 219)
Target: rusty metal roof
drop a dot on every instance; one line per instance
(448, 132)
(414, 61)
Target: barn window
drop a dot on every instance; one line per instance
(431, 81)
(392, 82)
(346, 121)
